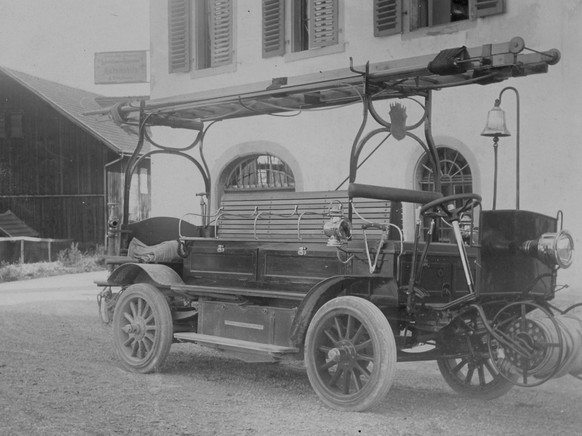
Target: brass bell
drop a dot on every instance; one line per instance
(495, 125)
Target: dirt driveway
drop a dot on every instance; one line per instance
(59, 376)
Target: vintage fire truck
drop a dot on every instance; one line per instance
(327, 277)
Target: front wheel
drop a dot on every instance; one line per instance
(350, 354)
(474, 377)
(142, 328)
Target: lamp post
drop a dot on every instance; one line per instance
(496, 128)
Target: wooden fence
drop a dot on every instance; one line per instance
(25, 249)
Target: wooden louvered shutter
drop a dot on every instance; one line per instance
(484, 8)
(323, 23)
(179, 36)
(387, 17)
(220, 32)
(273, 28)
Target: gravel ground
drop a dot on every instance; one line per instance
(59, 376)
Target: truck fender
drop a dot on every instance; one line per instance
(161, 276)
(317, 296)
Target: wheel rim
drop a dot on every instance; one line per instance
(519, 336)
(139, 330)
(344, 355)
(473, 373)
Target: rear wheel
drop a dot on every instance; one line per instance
(142, 328)
(350, 354)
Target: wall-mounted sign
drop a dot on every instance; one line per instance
(120, 67)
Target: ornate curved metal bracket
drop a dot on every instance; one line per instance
(138, 157)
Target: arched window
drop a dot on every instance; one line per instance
(456, 178)
(259, 172)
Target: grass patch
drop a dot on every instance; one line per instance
(70, 261)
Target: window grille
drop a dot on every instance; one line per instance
(456, 178)
(260, 172)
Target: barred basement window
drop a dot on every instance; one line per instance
(260, 172)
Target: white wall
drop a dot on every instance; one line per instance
(317, 144)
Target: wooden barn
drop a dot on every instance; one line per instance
(61, 172)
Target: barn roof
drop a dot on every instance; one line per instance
(72, 103)
(12, 226)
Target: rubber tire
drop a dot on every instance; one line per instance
(383, 350)
(153, 311)
(495, 388)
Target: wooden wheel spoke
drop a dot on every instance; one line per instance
(150, 340)
(327, 365)
(335, 377)
(134, 348)
(128, 317)
(363, 370)
(338, 327)
(358, 333)
(363, 345)
(490, 368)
(459, 366)
(365, 357)
(469, 375)
(349, 326)
(133, 309)
(330, 335)
(324, 349)
(140, 308)
(481, 373)
(347, 375)
(357, 382)
(141, 349)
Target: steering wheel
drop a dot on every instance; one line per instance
(450, 213)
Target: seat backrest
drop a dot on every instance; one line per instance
(287, 216)
(153, 231)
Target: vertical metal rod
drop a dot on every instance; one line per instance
(464, 258)
(495, 144)
(430, 142)
(517, 140)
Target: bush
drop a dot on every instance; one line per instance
(70, 261)
(70, 256)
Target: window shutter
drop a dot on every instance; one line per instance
(179, 36)
(273, 28)
(484, 8)
(323, 23)
(387, 17)
(220, 32)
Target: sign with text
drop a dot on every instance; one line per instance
(120, 67)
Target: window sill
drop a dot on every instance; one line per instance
(207, 72)
(313, 53)
(442, 29)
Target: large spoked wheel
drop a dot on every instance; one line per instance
(474, 377)
(350, 354)
(142, 328)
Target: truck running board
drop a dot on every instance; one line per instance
(244, 350)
